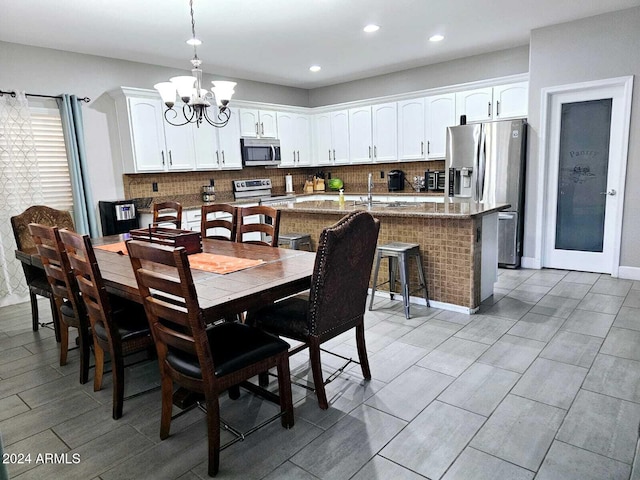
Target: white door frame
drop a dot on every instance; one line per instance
(544, 152)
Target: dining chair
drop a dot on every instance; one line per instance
(204, 360)
(337, 299)
(119, 327)
(167, 212)
(206, 223)
(35, 277)
(268, 224)
(65, 293)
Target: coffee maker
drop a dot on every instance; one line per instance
(395, 180)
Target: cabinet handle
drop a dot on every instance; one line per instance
(257, 131)
(422, 148)
(162, 152)
(298, 156)
(369, 152)
(170, 158)
(294, 156)
(329, 156)
(217, 157)
(334, 155)
(375, 152)
(497, 108)
(489, 110)
(223, 157)
(428, 147)
(262, 128)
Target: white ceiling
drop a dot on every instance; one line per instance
(276, 41)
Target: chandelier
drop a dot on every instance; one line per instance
(196, 100)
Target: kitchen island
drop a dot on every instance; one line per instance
(458, 240)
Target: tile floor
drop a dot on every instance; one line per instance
(543, 383)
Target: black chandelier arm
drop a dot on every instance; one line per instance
(223, 116)
(174, 116)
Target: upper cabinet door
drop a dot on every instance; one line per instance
(181, 149)
(268, 124)
(287, 136)
(249, 122)
(340, 136)
(206, 147)
(229, 143)
(440, 114)
(511, 101)
(360, 138)
(385, 132)
(147, 132)
(477, 104)
(302, 126)
(322, 139)
(411, 129)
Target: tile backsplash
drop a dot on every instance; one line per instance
(353, 176)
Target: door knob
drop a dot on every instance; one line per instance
(611, 192)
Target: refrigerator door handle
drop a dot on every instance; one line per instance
(480, 180)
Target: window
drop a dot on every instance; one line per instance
(53, 166)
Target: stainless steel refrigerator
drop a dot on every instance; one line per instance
(485, 162)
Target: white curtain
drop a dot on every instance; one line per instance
(19, 188)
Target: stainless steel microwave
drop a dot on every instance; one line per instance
(260, 152)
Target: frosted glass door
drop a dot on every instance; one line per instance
(582, 175)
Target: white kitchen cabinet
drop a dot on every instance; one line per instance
(219, 148)
(294, 132)
(191, 219)
(258, 123)
(385, 132)
(411, 129)
(440, 113)
(148, 143)
(511, 101)
(331, 144)
(360, 135)
(493, 103)
(373, 133)
(476, 104)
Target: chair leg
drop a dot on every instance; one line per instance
(117, 375)
(34, 311)
(316, 368)
(167, 406)
(263, 379)
(404, 281)
(213, 427)
(234, 392)
(422, 278)
(284, 390)
(55, 315)
(375, 280)
(99, 369)
(362, 351)
(85, 353)
(393, 266)
(64, 341)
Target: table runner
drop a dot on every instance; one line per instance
(209, 262)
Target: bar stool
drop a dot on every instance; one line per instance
(399, 254)
(295, 240)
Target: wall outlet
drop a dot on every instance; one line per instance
(382, 174)
(211, 182)
(329, 176)
(154, 186)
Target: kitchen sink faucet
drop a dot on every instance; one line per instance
(370, 189)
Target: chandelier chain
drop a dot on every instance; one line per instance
(193, 30)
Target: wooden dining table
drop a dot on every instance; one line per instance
(282, 272)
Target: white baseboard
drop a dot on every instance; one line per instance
(531, 262)
(433, 303)
(629, 273)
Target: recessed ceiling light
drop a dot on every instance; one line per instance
(315, 68)
(194, 41)
(436, 38)
(371, 28)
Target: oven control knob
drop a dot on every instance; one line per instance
(264, 182)
(242, 184)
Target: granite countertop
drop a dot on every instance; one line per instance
(194, 200)
(447, 209)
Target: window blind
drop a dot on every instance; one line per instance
(52, 158)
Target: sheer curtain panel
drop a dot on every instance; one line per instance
(20, 187)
